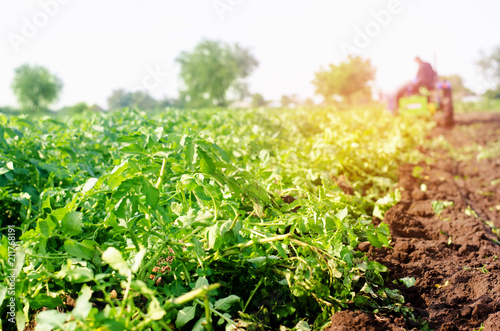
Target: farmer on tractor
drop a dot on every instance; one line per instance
(426, 77)
(425, 94)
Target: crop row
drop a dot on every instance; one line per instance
(198, 219)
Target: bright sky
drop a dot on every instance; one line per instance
(98, 46)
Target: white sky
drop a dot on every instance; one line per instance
(98, 46)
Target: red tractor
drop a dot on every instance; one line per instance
(437, 102)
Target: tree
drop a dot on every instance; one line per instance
(35, 87)
(211, 70)
(489, 64)
(350, 80)
(285, 101)
(292, 100)
(142, 100)
(309, 102)
(120, 99)
(77, 108)
(258, 100)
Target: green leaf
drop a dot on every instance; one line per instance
(43, 300)
(408, 281)
(138, 260)
(133, 149)
(50, 319)
(59, 214)
(342, 214)
(79, 249)
(302, 326)
(439, 206)
(200, 325)
(417, 172)
(225, 303)
(373, 238)
(189, 150)
(114, 258)
(80, 275)
(140, 287)
(213, 235)
(373, 265)
(89, 184)
(202, 281)
(222, 320)
(206, 162)
(151, 193)
(155, 311)
(377, 212)
(83, 306)
(45, 227)
(185, 315)
(71, 224)
(176, 208)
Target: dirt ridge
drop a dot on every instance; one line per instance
(453, 255)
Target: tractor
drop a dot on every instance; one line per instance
(437, 103)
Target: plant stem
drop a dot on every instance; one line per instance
(260, 241)
(252, 294)
(162, 172)
(191, 295)
(125, 296)
(208, 316)
(230, 321)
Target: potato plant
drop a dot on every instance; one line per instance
(198, 220)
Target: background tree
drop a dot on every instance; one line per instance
(79, 108)
(120, 99)
(211, 70)
(35, 87)
(309, 102)
(76, 109)
(285, 101)
(350, 80)
(142, 100)
(292, 100)
(258, 100)
(489, 64)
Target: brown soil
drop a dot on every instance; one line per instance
(454, 255)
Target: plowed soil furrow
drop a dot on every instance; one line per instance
(453, 255)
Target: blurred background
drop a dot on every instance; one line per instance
(106, 55)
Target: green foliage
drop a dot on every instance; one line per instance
(483, 105)
(349, 80)
(35, 87)
(258, 100)
(120, 99)
(78, 109)
(408, 281)
(211, 70)
(439, 206)
(152, 224)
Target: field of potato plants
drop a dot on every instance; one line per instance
(198, 220)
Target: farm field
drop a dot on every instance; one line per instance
(450, 248)
(249, 220)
